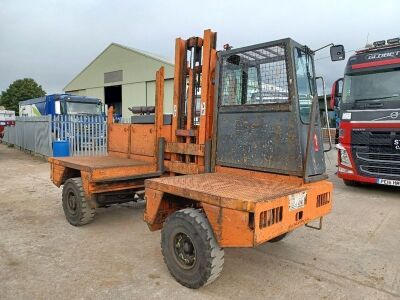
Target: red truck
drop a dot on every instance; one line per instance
(7, 118)
(368, 102)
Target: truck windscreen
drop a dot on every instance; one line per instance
(372, 86)
(83, 108)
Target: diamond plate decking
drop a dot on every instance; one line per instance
(226, 190)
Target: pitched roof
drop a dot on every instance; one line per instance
(137, 51)
(145, 53)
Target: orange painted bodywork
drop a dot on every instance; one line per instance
(127, 158)
(239, 203)
(132, 155)
(245, 208)
(132, 151)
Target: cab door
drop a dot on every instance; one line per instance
(262, 122)
(306, 91)
(257, 128)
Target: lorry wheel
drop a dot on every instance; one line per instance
(278, 238)
(350, 182)
(190, 249)
(138, 202)
(76, 209)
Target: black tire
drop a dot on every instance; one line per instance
(350, 182)
(139, 204)
(337, 136)
(190, 249)
(278, 238)
(76, 209)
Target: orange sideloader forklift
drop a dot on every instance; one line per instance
(264, 174)
(240, 163)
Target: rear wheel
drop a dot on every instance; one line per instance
(138, 202)
(190, 249)
(76, 209)
(278, 238)
(350, 182)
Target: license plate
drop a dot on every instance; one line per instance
(297, 201)
(388, 182)
(396, 144)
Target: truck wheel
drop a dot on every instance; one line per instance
(76, 209)
(138, 202)
(350, 182)
(278, 238)
(190, 249)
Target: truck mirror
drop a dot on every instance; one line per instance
(336, 93)
(337, 52)
(57, 107)
(339, 88)
(332, 100)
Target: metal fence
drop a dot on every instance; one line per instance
(87, 135)
(30, 133)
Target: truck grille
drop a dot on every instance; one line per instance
(381, 157)
(375, 137)
(374, 170)
(374, 155)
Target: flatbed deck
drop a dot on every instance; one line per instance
(225, 190)
(243, 211)
(106, 168)
(90, 163)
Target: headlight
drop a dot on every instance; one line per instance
(344, 158)
(341, 132)
(344, 170)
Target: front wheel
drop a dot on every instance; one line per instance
(76, 209)
(350, 182)
(190, 249)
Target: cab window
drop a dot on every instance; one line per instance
(255, 77)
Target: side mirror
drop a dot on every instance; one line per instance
(336, 93)
(337, 52)
(57, 107)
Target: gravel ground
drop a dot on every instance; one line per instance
(355, 256)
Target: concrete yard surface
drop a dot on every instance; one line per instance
(355, 256)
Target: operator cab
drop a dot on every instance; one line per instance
(266, 96)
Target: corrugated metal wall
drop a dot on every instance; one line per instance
(31, 133)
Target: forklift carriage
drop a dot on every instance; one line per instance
(266, 172)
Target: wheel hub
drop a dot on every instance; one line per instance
(71, 202)
(185, 253)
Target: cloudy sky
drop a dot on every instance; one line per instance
(52, 41)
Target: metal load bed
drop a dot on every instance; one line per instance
(109, 168)
(244, 211)
(104, 175)
(226, 190)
